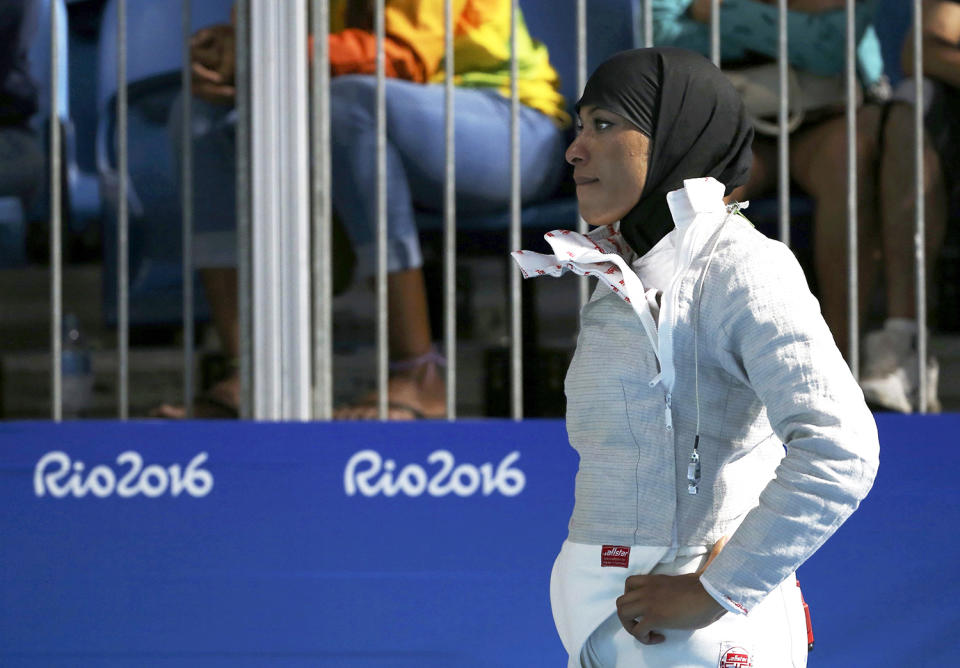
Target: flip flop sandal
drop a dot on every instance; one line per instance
(400, 406)
(205, 407)
(209, 407)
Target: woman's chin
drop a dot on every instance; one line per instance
(597, 220)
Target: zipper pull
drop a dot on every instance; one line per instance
(668, 413)
(693, 473)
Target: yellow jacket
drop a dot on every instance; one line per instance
(414, 47)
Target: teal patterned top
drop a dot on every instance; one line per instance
(816, 42)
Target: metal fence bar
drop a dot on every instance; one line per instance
(584, 282)
(919, 247)
(56, 220)
(853, 312)
(294, 222)
(783, 137)
(244, 235)
(322, 215)
(186, 208)
(648, 23)
(267, 315)
(383, 309)
(450, 218)
(715, 32)
(272, 282)
(516, 325)
(123, 220)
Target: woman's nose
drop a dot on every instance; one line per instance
(576, 152)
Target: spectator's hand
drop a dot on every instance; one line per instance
(700, 10)
(667, 602)
(213, 62)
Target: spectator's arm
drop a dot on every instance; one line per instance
(941, 37)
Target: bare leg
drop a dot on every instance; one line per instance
(898, 193)
(221, 288)
(818, 160)
(409, 325)
(891, 372)
(763, 171)
(421, 388)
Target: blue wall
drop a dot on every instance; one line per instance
(241, 545)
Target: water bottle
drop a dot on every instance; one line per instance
(77, 370)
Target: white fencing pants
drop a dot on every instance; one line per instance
(583, 596)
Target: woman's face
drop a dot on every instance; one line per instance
(609, 158)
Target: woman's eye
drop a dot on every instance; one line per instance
(602, 125)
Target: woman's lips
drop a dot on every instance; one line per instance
(584, 181)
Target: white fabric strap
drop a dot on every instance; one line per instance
(599, 253)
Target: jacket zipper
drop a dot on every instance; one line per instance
(671, 299)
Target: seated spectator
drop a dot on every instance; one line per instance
(21, 158)
(890, 376)
(818, 147)
(414, 50)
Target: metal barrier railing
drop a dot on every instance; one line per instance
(244, 209)
(123, 221)
(853, 301)
(383, 313)
(783, 138)
(920, 210)
(56, 221)
(516, 329)
(582, 227)
(322, 215)
(186, 209)
(450, 215)
(285, 298)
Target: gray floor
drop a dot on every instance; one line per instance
(156, 371)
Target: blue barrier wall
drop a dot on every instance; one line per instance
(215, 544)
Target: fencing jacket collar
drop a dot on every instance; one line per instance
(697, 210)
(604, 253)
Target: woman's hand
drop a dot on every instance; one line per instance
(213, 62)
(667, 602)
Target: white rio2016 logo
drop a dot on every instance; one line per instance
(57, 475)
(380, 476)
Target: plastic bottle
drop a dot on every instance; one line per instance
(77, 370)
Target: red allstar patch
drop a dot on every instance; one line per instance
(615, 555)
(734, 656)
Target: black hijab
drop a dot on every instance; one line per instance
(694, 118)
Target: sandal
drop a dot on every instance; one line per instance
(369, 404)
(206, 406)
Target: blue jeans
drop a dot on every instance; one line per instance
(415, 164)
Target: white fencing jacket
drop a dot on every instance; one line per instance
(787, 445)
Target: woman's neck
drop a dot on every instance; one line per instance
(646, 224)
